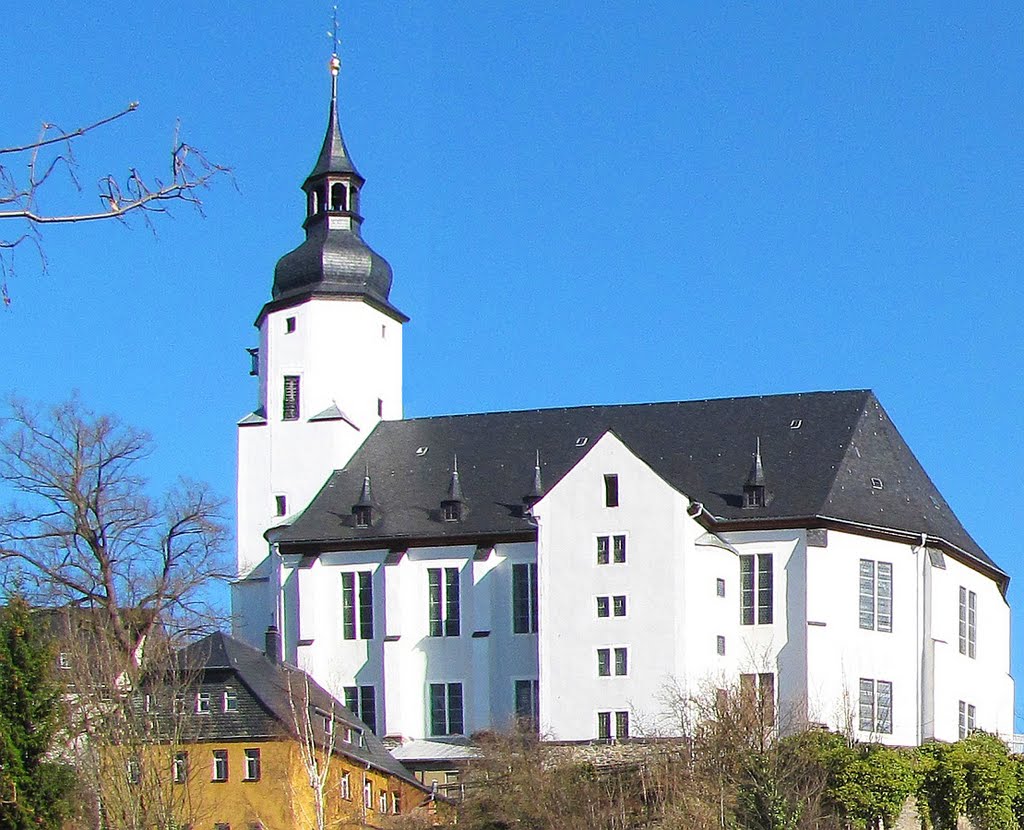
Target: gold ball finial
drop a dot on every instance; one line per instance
(335, 65)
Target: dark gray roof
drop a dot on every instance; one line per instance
(823, 451)
(334, 156)
(218, 656)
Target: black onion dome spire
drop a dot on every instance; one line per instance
(334, 260)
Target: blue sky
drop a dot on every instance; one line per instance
(583, 203)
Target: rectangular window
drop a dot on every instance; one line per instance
(443, 602)
(611, 490)
(365, 605)
(202, 703)
(619, 605)
(603, 550)
(361, 701)
(368, 795)
(280, 505)
(603, 607)
(230, 700)
(382, 801)
(875, 586)
(348, 604)
(604, 662)
(604, 726)
(756, 604)
(368, 706)
(720, 640)
(968, 622)
(967, 719)
(528, 703)
(618, 549)
(180, 768)
(345, 786)
(252, 765)
(621, 725)
(720, 587)
(396, 803)
(524, 598)
(758, 692)
(220, 765)
(291, 398)
(446, 709)
(289, 325)
(63, 660)
(620, 662)
(875, 706)
(133, 770)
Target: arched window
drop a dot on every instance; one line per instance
(337, 196)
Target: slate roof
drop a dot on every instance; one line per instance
(820, 452)
(219, 656)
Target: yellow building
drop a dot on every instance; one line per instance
(267, 748)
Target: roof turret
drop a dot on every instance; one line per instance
(334, 260)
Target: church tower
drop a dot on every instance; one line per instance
(329, 364)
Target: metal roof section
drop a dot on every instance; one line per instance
(821, 470)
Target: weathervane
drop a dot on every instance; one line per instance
(333, 35)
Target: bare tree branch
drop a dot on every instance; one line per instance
(83, 532)
(189, 172)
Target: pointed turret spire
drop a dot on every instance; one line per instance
(754, 488)
(453, 505)
(363, 508)
(537, 491)
(334, 260)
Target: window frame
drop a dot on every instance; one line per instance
(253, 764)
(968, 623)
(179, 768)
(291, 408)
(447, 708)
(611, 489)
(875, 595)
(221, 769)
(875, 706)
(525, 611)
(444, 602)
(757, 589)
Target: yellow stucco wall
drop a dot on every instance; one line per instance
(282, 798)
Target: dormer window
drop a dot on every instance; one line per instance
(338, 196)
(451, 511)
(363, 514)
(753, 496)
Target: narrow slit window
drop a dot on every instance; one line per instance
(290, 409)
(611, 490)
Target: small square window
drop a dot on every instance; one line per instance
(721, 644)
(602, 607)
(611, 490)
(720, 587)
(619, 606)
(203, 703)
(289, 325)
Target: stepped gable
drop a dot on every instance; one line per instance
(809, 442)
(219, 656)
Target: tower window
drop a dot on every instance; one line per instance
(290, 410)
(337, 196)
(380, 408)
(289, 325)
(280, 505)
(254, 366)
(611, 490)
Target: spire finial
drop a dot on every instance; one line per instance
(537, 491)
(335, 62)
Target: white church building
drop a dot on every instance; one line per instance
(446, 575)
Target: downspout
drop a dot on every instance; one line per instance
(919, 634)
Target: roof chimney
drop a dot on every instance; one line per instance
(272, 644)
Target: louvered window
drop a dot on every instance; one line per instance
(291, 398)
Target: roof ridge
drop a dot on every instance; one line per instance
(596, 406)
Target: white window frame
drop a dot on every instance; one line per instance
(757, 599)
(875, 706)
(968, 628)
(875, 595)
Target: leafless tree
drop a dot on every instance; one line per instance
(315, 744)
(52, 152)
(82, 531)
